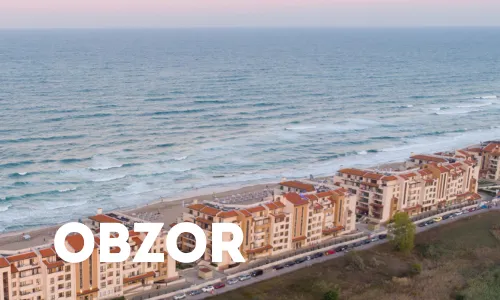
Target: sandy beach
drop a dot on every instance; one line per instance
(167, 210)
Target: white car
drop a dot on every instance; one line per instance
(459, 213)
(180, 296)
(233, 281)
(244, 277)
(208, 289)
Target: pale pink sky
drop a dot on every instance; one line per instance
(199, 13)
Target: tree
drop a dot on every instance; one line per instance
(332, 295)
(403, 232)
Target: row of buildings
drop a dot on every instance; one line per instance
(297, 214)
(39, 274)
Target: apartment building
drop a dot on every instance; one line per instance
(487, 157)
(39, 274)
(289, 221)
(380, 195)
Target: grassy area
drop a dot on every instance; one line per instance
(460, 260)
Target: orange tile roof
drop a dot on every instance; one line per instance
(137, 240)
(340, 191)
(55, 264)
(75, 241)
(389, 178)
(274, 205)
(311, 197)
(22, 256)
(115, 250)
(210, 211)
(227, 214)
(47, 252)
(477, 150)
(203, 220)
(408, 175)
(356, 172)
(333, 229)
(104, 219)
(298, 185)
(280, 215)
(133, 233)
(196, 206)
(295, 199)
(4, 263)
(425, 172)
(13, 269)
(139, 277)
(325, 194)
(428, 158)
(255, 209)
(245, 213)
(299, 238)
(258, 250)
(375, 176)
(492, 147)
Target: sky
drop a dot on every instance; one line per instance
(247, 13)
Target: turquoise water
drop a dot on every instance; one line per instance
(116, 118)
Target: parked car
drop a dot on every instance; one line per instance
(278, 267)
(340, 248)
(300, 260)
(430, 222)
(330, 252)
(423, 224)
(458, 213)
(219, 285)
(472, 209)
(257, 273)
(233, 281)
(448, 216)
(382, 236)
(208, 289)
(374, 239)
(437, 219)
(195, 292)
(244, 277)
(289, 263)
(180, 296)
(318, 254)
(309, 257)
(367, 241)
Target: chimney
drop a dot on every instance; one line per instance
(99, 211)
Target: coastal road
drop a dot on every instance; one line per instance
(271, 273)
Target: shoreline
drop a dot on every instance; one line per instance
(168, 210)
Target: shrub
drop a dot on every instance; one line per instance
(416, 268)
(332, 295)
(356, 260)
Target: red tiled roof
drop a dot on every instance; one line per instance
(13, 269)
(356, 172)
(281, 215)
(333, 229)
(389, 178)
(104, 219)
(210, 211)
(408, 175)
(311, 197)
(196, 207)
(139, 277)
(137, 240)
(428, 158)
(477, 150)
(227, 214)
(318, 206)
(424, 172)
(492, 147)
(295, 199)
(274, 205)
(47, 252)
(373, 176)
(255, 209)
(245, 213)
(299, 238)
(75, 241)
(298, 185)
(4, 263)
(258, 250)
(56, 264)
(324, 194)
(203, 220)
(22, 256)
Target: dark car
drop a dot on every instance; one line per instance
(445, 217)
(423, 224)
(195, 292)
(382, 236)
(472, 209)
(317, 255)
(257, 273)
(341, 248)
(278, 267)
(289, 264)
(219, 285)
(367, 241)
(430, 222)
(300, 260)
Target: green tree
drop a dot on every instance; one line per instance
(332, 294)
(403, 232)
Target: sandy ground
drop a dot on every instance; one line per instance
(167, 211)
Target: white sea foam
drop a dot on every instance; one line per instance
(475, 105)
(301, 127)
(180, 158)
(4, 208)
(67, 190)
(487, 97)
(109, 178)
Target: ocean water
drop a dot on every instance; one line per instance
(118, 118)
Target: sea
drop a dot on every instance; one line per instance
(116, 118)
